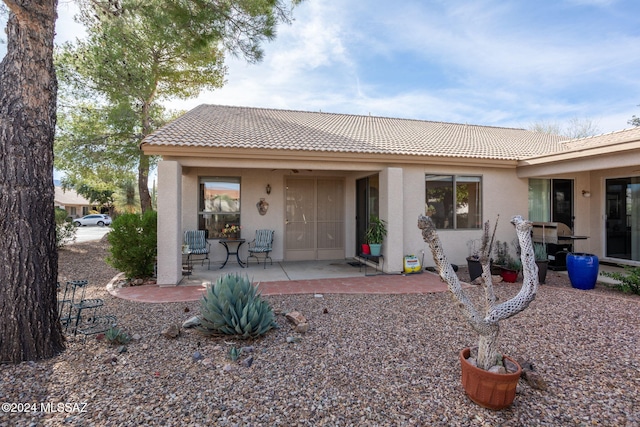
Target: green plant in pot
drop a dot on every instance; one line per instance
(376, 232)
(473, 260)
(542, 261)
(486, 384)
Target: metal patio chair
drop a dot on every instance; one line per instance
(198, 245)
(262, 244)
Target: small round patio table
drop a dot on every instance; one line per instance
(232, 250)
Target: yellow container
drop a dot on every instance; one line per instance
(411, 264)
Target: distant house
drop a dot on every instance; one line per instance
(323, 175)
(75, 205)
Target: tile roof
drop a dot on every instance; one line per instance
(216, 126)
(69, 198)
(613, 138)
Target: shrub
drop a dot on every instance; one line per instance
(133, 241)
(65, 233)
(629, 280)
(65, 229)
(232, 306)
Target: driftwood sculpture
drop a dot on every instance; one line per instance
(485, 322)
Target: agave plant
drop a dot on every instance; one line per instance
(233, 306)
(117, 336)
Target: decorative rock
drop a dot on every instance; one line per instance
(197, 356)
(495, 279)
(171, 331)
(111, 359)
(525, 364)
(472, 361)
(138, 282)
(191, 322)
(145, 346)
(228, 368)
(247, 362)
(295, 317)
(136, 337)
(473, 352)
(325, 311)
(248, 349)
(535, 380)
(510, 366)
(207, 362)
(122, 349)
(318, 296)
(498, 369)
(100, 337)
(302, 328)
(293, 339)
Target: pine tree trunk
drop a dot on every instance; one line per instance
(29, 326)
(143, 163)
(143, 183)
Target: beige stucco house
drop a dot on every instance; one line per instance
(75, 205)
(322, 175)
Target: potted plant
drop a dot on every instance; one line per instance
(510, 271)
(473, 260)
(231, 231)
(376, 232)
(494, 390)
(542, 261)
(509, 266)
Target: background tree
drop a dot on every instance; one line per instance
(634, 121)
(29, 326)
(140, 53)
(95, 146)
(575, 128)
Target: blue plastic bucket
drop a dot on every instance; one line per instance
(583, 270)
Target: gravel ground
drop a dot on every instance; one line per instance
(367, 360)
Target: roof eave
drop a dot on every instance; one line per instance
(182, 152)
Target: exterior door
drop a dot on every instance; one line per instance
(623, 218)
(314, 223)
(562, 201)
(367, 204)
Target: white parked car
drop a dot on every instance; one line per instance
(93, 219)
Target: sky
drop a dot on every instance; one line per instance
(486, 62)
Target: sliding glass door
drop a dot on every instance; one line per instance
(551, 200)
(622, 210)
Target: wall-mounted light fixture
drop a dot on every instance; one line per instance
(586, 193)
(268, 189)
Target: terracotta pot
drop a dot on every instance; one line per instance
(509, 276)
(488, 389)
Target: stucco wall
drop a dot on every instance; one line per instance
(401, 200)
(503, 193)
(597, 202)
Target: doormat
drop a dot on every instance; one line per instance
(354, 263)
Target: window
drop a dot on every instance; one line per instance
(442, 190)
(551, 200)
(219, 204)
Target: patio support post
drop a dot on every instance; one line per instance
(169, 223)
(391, 206)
